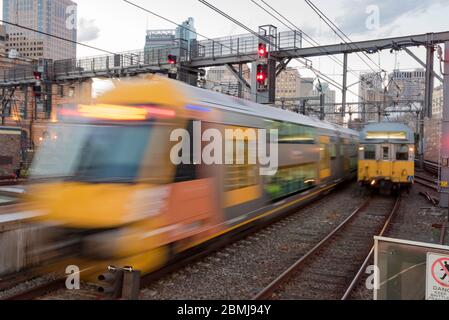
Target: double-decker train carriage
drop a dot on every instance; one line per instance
(106, 181)
(386, 157)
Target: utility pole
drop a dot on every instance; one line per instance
(444, 187)
(427, 112)
(345, 85)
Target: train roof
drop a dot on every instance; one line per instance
(176, 93)
(235, 104)
(387, 131)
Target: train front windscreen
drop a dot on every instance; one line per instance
(92, 153)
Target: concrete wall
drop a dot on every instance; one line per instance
(17, 240)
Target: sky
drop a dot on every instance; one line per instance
(115, 25)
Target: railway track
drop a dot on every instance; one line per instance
(426, 181)
(39, 291)
(327, 271)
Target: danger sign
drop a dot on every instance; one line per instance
(437, 278)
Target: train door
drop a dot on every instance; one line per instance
(385, 165)
(325, 168)
(192, 202)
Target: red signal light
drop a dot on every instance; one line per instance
(261, 75)
(172, 59)
(263, 52)
(37, 76)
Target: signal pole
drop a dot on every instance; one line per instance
(444, 186)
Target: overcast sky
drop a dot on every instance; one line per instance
(117, 26)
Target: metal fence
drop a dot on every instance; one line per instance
(17, 74)
(130, 59)
(245, 44)
(232, 45)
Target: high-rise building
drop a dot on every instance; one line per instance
(372, 93)
(187, 32)
(2, 40)
(432, 127)
(55, 17)
(159, 38)
(178, 41)
(330, 107)
(407, 85)
(220, 79)
(288, 85)
(437, 102)
(306, 85)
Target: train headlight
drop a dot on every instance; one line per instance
(373, 182)
(412, 149)
(361, 148)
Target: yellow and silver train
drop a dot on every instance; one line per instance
(105, 183)
(386, 156)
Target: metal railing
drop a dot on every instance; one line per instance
(17, 73)
(244, 44)
(197, 50)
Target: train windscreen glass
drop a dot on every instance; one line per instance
(384, 135)
(92, 153)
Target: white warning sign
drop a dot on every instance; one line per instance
(437, 277)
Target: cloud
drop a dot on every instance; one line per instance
(356, 13)
(87, 30)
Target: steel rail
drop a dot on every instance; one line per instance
(362, 269)
(287, 274)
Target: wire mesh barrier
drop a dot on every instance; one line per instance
(17, 73)
(244, 44)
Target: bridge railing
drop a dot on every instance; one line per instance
(205, 49)
(104, 63)
(19, 73)
(244, 44)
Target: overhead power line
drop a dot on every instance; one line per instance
(54, 36)
(186, 28)
(341, 34)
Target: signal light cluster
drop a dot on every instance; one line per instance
(261, 75)
(37, 88)
(172, 59)
(262, 51)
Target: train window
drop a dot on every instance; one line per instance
(385, 153)
(240, 176)
(370, 152)
(290, 180)
(402, 152)
(294, 133)
(187, 172)
(333, 151)
(342, 150)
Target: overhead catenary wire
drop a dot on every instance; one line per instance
(185, 28)
(342, 35)
(318, 73)
(311, 41)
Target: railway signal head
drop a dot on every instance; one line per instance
(261, 75)
(37, 90)
(37, 75)
(172, 59)
(262, 51)
(111, 282)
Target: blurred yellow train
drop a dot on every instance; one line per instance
(387, 156)
(104, 182)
